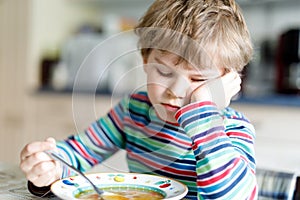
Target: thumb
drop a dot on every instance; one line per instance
(51, 140)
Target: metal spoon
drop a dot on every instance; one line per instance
(100, 192)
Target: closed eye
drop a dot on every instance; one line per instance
(165, 74)
(198, 79)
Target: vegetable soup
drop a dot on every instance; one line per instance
(122, 193)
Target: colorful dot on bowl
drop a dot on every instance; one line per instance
(165, 185)
(119, 179)
(67, 182)
(159, 182)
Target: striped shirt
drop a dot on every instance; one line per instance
(210, 151)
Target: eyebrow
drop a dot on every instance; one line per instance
(199, 74)
(161, 62)
(168, 65)
(187, 68)
(190, 69)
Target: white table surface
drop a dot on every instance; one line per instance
(13, 184)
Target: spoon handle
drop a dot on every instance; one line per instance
(55, 156)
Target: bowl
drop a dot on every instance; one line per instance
(131, 184)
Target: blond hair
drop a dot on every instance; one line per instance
(208, 33)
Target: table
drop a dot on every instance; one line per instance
(13, 184)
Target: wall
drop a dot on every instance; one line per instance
(50, 23)
(267, 19)
(13, 59)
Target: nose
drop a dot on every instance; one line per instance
(179, 87)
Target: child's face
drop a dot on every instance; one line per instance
(170, 85)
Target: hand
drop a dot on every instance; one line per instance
(220, 90)
(38, 167)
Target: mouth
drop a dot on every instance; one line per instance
(170, 107)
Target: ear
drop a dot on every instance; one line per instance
(145, 64)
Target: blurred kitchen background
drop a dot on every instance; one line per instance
(44, 42)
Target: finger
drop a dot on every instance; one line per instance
(235, 90)
(51, 140)
(44, 167)
(230, 76)
(44, 179)
(231, 79)
(236, 83)
(33, 160)
(232, 93)
(223, 89)
(35, 147)
(40, 169)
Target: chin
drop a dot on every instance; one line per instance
(169, 119)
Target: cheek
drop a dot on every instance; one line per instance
(192, 88)
(155, 92)
(153, 80)
(155, 89)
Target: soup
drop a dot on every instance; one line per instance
(125, 193)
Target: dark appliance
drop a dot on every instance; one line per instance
(288, 62)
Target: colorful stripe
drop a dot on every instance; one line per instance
(209, 151)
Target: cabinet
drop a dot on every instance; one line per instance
(13, 58)
(25, 117)
(277, 135)
(47, 115)
(57, 115)
(39, 118)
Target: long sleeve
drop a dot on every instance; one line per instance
(223, 145)
(99, 141)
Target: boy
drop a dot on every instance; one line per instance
(181, 127)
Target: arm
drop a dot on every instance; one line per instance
(84, 150)
(223, 141)
(223, 148)
(97, 143)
